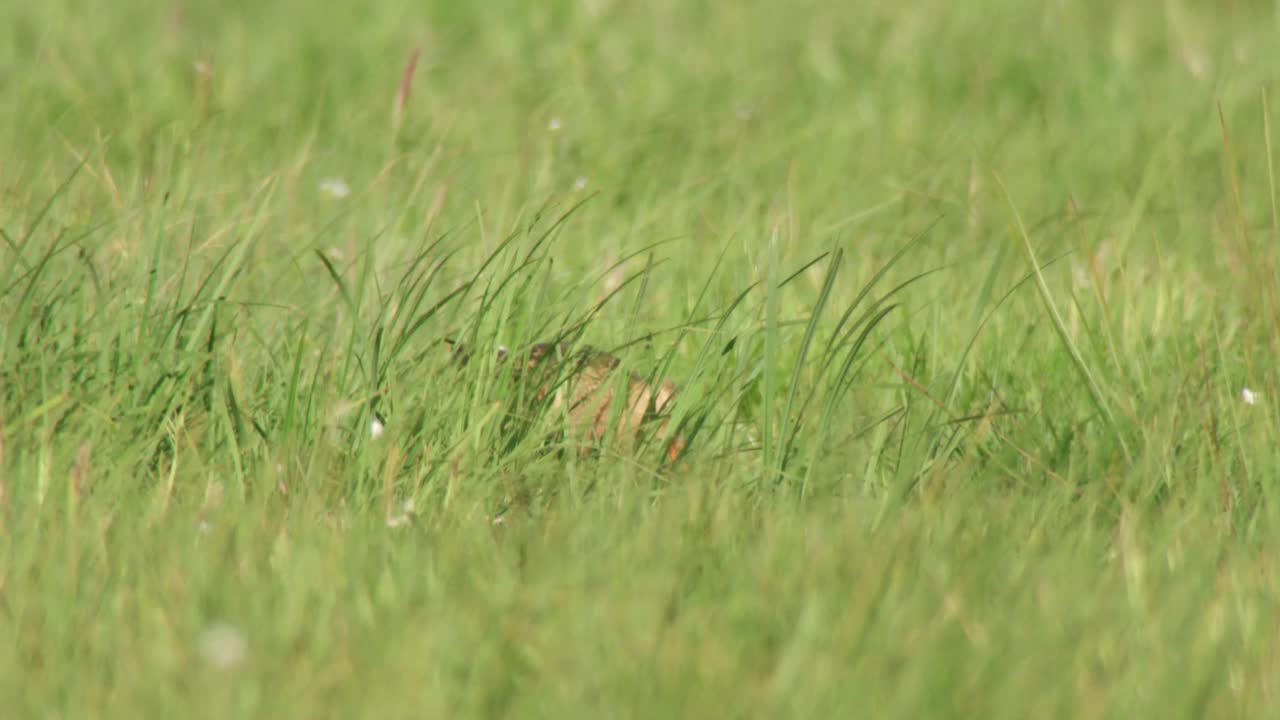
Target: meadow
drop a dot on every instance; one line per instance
(973, 307)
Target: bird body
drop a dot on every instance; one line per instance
(582, 387)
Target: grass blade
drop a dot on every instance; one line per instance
(1095, 393)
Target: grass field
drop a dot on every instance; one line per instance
(974, 308)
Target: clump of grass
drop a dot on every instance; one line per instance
(909, 484)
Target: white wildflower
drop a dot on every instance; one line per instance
(404, 517)
(1080, 276)
(335, 188)
(1249, 397)
(223, 646)
(1195, 62)
(554, 125)
(376, 427)
(580, 183)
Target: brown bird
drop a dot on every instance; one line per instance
(583, 384)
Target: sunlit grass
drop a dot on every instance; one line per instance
(973, 310)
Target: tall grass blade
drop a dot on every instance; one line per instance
(1095, 392)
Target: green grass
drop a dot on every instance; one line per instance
(962, 297)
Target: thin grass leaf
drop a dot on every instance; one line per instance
(833, 269)
(1095, 392)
